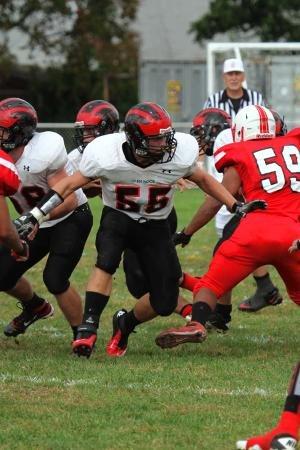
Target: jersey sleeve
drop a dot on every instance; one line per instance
(9, 179)
(223, 138)
(192, 154)
(226, 156)
(90, 165)
(56, 152)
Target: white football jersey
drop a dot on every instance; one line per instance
(139, 192)
(44, 154)
(75, 157)
(223, 215)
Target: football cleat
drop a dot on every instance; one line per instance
(258, 301)
(27, 317)
(85, 340)
(192, 332)
(217, 322)
(117, 345)
(279, 442)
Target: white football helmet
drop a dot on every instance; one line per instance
(254, 122)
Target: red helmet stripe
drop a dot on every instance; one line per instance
(263, 120)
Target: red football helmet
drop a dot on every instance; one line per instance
(94, 119)
(207, 124)
(280, 125)
(149, 133)
(18, 121)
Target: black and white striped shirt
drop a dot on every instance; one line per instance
(222, 101)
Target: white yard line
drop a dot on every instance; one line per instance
(239, 392)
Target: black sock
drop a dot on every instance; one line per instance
(201, 312)
(94, 306)
(128, 322)
(264, 283)
(74, 329)
(292, 403)
(33, 303)
(224, 310)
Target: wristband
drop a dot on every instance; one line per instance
(49, 202)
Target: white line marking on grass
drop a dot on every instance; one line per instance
(255, 392)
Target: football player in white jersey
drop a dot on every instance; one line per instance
(138, 170)
(96, 118)
(41, 161)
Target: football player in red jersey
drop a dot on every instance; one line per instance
(261, 167)
(9, 184)
(41, 160)
(138, 170)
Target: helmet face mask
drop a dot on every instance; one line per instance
(280, 125)
(207, 124)
(18, 121)
(253, 122)
(150, 134)
(94, 119)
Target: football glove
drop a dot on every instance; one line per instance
(23, 256)
(26, 225)
(241, 209)
(181, 238)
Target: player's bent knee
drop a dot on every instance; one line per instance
(108, 268)
(165, 305)
(164, 310)
(55, 285)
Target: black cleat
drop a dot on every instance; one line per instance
(85, 340)
(27, 317)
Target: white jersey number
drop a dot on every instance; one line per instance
(127, 198)
(291, 158)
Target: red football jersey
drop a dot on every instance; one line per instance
(9, 178)
(269, 170)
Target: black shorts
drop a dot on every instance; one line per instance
(152, 243)
(64, 242)
(135, 279)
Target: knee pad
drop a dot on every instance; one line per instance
(169, 303)
(105, 266)
(55, 284)
(136, 286)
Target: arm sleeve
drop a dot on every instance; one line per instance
(225, 157)
(57, 154)
(9, 181)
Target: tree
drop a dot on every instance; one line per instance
(96, 48)
(270, 20)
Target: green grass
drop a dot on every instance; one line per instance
(201, 397)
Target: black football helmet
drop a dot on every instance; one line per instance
(94, 119)
(280, 125)
(149, 133)
(18, 121)
(207, 124)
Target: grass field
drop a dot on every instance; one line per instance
(201, 397)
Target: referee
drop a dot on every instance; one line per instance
(234, 97)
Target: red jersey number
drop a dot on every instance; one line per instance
(278, 178)
(127, 198)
